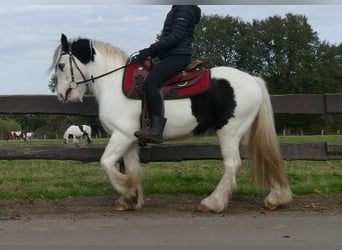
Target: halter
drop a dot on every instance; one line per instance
(73, 83)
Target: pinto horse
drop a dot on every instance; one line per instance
(77, 132)
(16, 135)
(237, 106)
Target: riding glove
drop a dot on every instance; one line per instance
(143, 54)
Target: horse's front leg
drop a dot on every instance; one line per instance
(134, 197)
(128, 184)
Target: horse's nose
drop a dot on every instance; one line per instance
(60, 97)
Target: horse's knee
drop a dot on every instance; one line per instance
(105, 164)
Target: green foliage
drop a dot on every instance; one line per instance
(53, 83)
(7, 125)
(285, 51)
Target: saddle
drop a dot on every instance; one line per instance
(193, 80)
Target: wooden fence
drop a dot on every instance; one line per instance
(48, 104)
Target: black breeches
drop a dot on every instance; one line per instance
(162, 72)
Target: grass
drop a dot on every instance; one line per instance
(311, 138)
(207, 139)
(60, 179)
(50, 179)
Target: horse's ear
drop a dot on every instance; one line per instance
(65, 44)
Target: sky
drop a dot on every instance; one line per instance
(30, 30)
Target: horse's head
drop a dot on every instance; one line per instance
(71, 63)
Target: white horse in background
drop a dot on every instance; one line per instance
(29, 135)
(75, 132)
(237, 107)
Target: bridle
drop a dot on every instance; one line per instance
(73, 84)
(72, 61)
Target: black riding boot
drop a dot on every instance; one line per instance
(155, 132)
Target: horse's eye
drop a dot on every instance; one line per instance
(61, 66)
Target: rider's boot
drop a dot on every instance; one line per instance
(155, 132)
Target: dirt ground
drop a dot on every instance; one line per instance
(159, 206)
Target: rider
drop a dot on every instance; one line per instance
(174, 49)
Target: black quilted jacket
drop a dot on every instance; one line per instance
(178, 31)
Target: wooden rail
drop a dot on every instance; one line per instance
(48, 104)
(164, 152)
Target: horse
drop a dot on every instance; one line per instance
(29, 135)
(77, 132)
(237, 106)
(16, 135)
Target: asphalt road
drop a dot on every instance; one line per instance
(238, 232)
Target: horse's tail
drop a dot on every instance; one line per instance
(263, 146)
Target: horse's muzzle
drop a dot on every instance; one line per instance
(63, 98)
(66, 97)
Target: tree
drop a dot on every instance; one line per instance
(286, 52)
(53, 83)
(216, 38)
(7, 125)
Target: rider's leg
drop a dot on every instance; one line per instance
(161, 72)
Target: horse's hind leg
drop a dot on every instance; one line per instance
(218, 200)
(88, 138)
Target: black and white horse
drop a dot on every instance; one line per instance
(75, 132)
(237, 107)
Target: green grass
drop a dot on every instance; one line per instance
(311, 138)
(50, 179)
(206, 139)
(60, 179)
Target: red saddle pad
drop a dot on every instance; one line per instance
(134, 91)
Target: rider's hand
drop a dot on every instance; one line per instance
(143, 54)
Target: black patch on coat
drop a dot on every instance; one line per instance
(83, 50)
(81, 128)
(214, 108)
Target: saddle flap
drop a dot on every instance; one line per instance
(185, 77)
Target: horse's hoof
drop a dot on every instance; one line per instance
(203, 208)
(120, 207)
(271, 206)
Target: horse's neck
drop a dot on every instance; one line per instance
(110, 84)
(107, 86)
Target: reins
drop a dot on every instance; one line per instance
(100, 76)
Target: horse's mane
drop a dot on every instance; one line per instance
(109, 50)
(104, 48)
